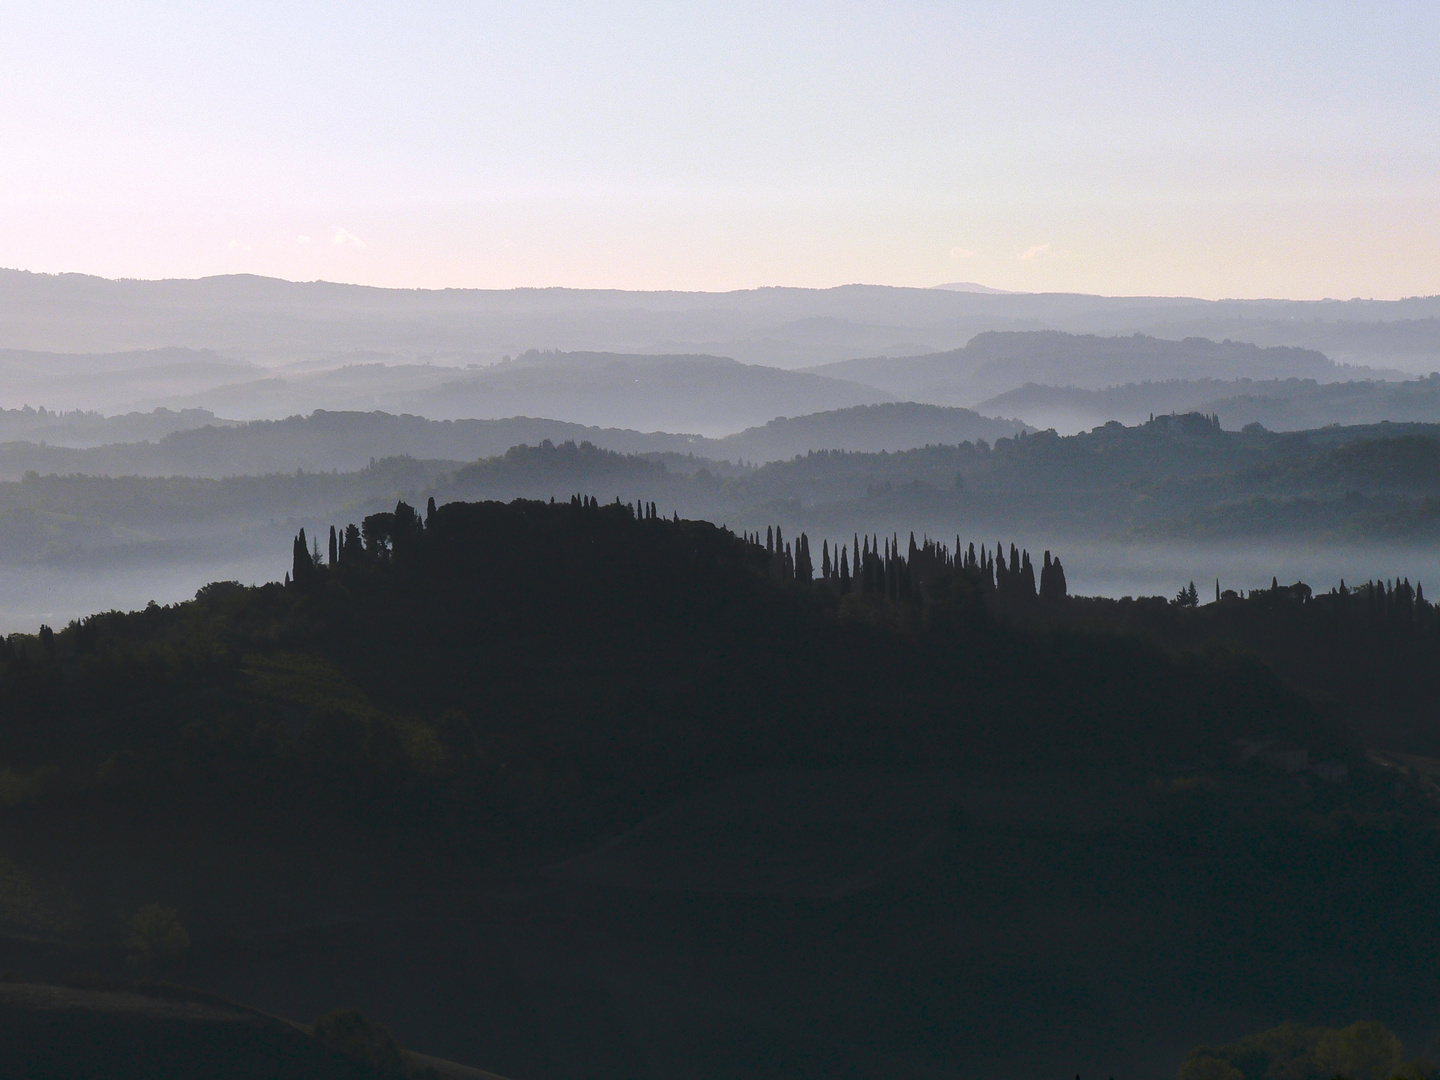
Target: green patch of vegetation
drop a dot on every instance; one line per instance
(1362, 1051)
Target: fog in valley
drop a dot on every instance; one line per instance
(713, 641)
(59, 590)
(616, 541)
(289, 405)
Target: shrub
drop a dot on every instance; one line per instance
(155, 934)
(348, 1032)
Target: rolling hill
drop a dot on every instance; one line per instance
(1277, 404)
(275, 323)
(995, 362)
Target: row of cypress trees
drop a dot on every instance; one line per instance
(1383, 604)
(876, 565)
(869, 565)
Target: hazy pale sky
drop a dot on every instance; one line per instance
(1231, 149)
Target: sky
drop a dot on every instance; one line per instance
(1225, 150)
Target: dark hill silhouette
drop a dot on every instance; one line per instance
(492, 761)
(1173, 478)
(146, 1032)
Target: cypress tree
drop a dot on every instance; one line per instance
(825, 559)
(335, 546)
(300, 562)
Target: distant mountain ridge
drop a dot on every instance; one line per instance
(345, 441)
(973, 287)
(713, 395)
(102, 381)
(85, 429)
(709, 394)
(274, 322)
(867, 428)
(995, 362)
(1278, 404)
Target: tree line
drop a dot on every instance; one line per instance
(869, 565)
(876, 565)
(1380, 603)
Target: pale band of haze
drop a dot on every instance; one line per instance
(1226, 150)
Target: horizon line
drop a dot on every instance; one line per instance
(971, 289)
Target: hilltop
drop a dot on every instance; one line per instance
(273, 322)
(1173, 478)
(998, 361)
(1278, 404)
(196, 444)
(491, 754)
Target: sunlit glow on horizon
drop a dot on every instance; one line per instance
(1242, 151)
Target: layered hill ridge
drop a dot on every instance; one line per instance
(274, 322)
(714, 395)
(198, 445)
(994, 362)
(1277, 404)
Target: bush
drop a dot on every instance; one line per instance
(156, 934)
(1362, 1051)
(348, 1032)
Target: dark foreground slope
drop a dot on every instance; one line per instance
(564, 792)
(137, 1032)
